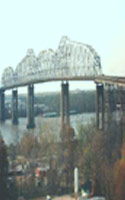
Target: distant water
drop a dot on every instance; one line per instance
(12, 133)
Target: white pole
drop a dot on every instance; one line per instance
(76, 181)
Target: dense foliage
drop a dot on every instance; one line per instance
(99, 155)
(80, 101)
(4, 193)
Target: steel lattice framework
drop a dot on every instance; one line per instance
(71, 59)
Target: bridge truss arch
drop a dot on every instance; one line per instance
(8, 76)
(71, 60)
(27, 68)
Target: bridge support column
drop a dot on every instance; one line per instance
(62, 106)
(100, 106)
(66, 103)
(30, 107)
(14, 107)
(65, 120)
(2, 106)
(121, 95)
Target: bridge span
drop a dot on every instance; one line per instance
(112, 80)
(72, 61)
(104, 79)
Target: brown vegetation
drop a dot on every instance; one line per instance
(3, 171)
(96, 154)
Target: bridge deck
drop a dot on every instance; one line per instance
(114, 80)
(80, 78)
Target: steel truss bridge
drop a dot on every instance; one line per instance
(71, 61)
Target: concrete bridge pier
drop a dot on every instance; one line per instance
(100, 108)
(2, 106)
(122, 107)
(66, 103)
(64, 106)
(30, 107)
(14, 107)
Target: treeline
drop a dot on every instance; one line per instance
(80, 101)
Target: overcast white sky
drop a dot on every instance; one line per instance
(40, 24)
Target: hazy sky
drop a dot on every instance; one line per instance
(40, 24)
